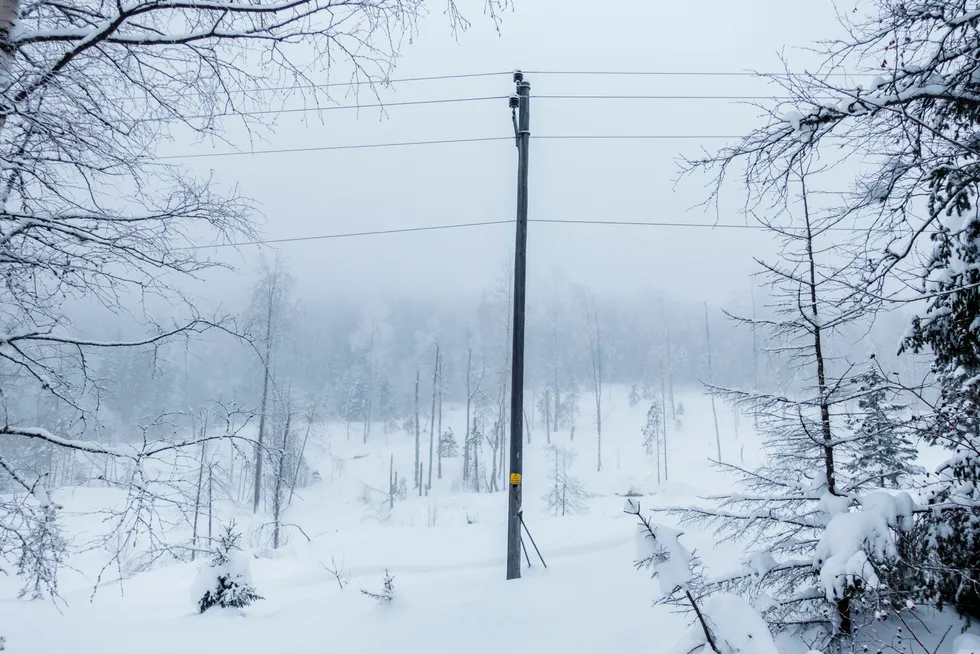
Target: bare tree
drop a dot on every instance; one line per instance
(432, 416)
(566, 494)
(471, 391)
(439, 448)
(87, 209)
(595, 351)
(418, 461)
(269, 300)
(790, 501)
(711, 381)
(281, 472)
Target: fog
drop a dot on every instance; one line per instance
(302, 194)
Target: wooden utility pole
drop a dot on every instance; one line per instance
(520, 105)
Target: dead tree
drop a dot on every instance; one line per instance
(277, 489)
(595, 351)
(471, 392)
(714, 412)
(439, 448)
(432, 418)
(418, 462)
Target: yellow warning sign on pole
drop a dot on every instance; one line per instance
(515, 478)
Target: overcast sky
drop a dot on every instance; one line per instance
(313, 193)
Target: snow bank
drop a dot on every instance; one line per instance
(966, 644)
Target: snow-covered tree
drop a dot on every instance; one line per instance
(653, 430)
(566, 494)
(634, 395)
(387, 592)
(791, 508)
(227, 581)
(723, 623)
(448, 448)
(884, 454)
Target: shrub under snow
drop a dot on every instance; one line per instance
(226, 582)
(725, 623)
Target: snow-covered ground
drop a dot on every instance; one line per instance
(445, 552)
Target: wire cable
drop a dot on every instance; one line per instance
(663, 97)
(641, 223)
(687, 73)
(322, 237)
(552, 221)
(326, 148)
(485, 139)
(368, 82)
(377, 105)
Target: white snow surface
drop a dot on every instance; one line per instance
(445, 551)
(966, 644)
(735, 626)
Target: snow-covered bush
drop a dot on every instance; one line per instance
(226, 582)
(387, 592)
(724, 623)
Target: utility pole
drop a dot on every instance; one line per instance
(520, 105)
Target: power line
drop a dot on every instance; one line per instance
(378, 105)
(436, 78)
(361, 146)
(412, 103)
(665, 97)
(641, 223)
(631, 137)
(337, 147)
(689, 73)
(321, 237)
(552, 221)
(367, 82)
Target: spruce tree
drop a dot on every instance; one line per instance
(226, 582)
(884, 454)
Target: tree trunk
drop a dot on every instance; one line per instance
(432, 417)
(476, 463)
(280, 473)
(818, 356)
(9, 14)
(418, 462)
(199, 491)
(844, 604)
(299, 460)
(663, 399)
(596, 342)
(257, 492)
(547, 414)
(392, 482)
(439, 433)
(469, 399)
(714, 411)
(670, 366)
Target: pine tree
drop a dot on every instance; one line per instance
(883, 452)
(652, 429)
(634, 396)
(448, 448)
(567, 494)
(226, 582)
